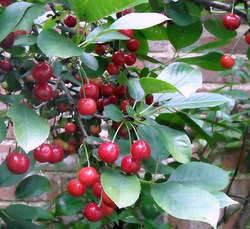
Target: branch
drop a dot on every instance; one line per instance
(221, 6)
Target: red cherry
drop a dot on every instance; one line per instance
(231, 21)
(88, 176)
(149, 99)
(112, 99)
(76, 188)
(100, 104)
(106, 210)
(92, 212)
(5, 65)
(247, 38)
(5, 2)
(227, 61)
(42, 72)
(133, 45)
(130, 59)
(57, 154)
(127, 32)
(121, 91)
(63, 107)
(90, 90)
(97, 189)
(43, 153)
(118, 58)
(43, 92)
(113, 69)
(70, 21)
(86, 106)
(70, 127)
(140, 150)
(20, 32)
(124, 104)
(17, 163)
(107, 200)
(129, 165)
(8, 41)
(100, 49)
(108, 152)
(107, 90)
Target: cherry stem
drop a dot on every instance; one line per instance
(87, 154)
(113, 140)
(84, 74)
(100, 201)
(146, 109)
(137, 136)
(129, 134)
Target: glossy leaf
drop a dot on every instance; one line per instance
(112, 112)
(3, 130)
(157, 32)
(135, 89)
(90, 61)
(223, 199)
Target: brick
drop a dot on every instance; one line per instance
(7, 193)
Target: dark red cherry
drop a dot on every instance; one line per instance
(113, 69)
(42, 72)
(100, 49)
(43, 92)
(247, 38)
(124, 104)
(90, 90)
(70, 21)
(57, 154)
(8, 41)
(127, 32)
(5, 2)
(133, 45)
(5, 65)
(118, 58)
(130, 59)
(107, 90)
(149, 99)
(106, 210)
(231, 21)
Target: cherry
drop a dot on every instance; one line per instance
(97, 189)
(57, 154)
(112, 99)
(90, 90)
(5, 2)
(8, 41)
(92, 212)
(130, 59)
(121, 91)
(140, 150)
(231, 21)
(88, 176)
(42, 72)
(107, 90)
(43, 92)
(100, 49)
(149, 99)
(70, 21)
(124, 104)
(123, 13)
(247, 38)
(227, 61)
(70, 127)
(76, 188)
(118, 58)
(133, 45)
(20, 32)
(108, 152)
(86, 106)
(106, 210)
(63, 107)
(113, 69)
(100, 104)
(43, 153)
(5, 65)
(129, 165)
(127, 32)
(17, 163)
(107, 200)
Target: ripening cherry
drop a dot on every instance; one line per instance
(5, 65)
(42, 72)
(76, 188)
(70, 127)
(43, 153)
(106, 210)
(90, 90)
(130, 59)
(86, 106)
(231, 21)
(100, 49)
(92, 212)
(107, 90)
(149, 99)
(5, 2)
(17, 163)
(70, 21)
(88, 176)
(43, 92)
(118, 58)
(124, 104)
(140, 150)
(127, 32)
(129, 165)
(247, 38)
(133, 45)
(227, 61)
(57, 154)
(108, 152)
(113, 69)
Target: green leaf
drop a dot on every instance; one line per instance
(183, 77)
(30, 129)
(202, 175)
(25, 212)
(67, 205)
(122, 189)
(32, 186)
(113, 112)
(11, 99)
(210, 61)
(190, 203)
(90, 61)
(25, 40)
(248, 53)
(151, 85)
(53, 44)
(187, 35)
(135, 89)
(211, 45)
(11, 16)
(157, 32)
(3, 130)
(95, 10)
(216, 27)
(197, 100)
(223, 199)
(139, 21)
